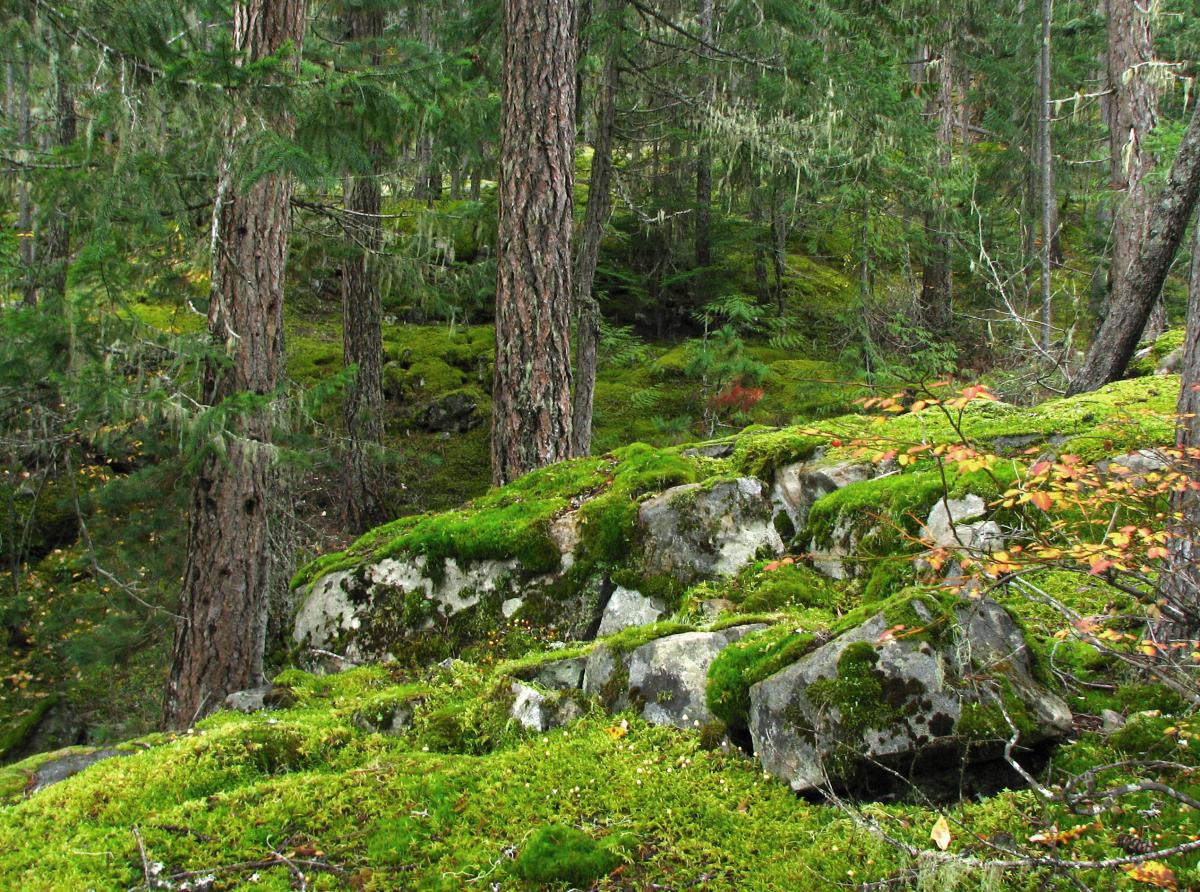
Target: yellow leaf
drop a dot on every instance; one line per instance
(1152, 873)
(941, 833)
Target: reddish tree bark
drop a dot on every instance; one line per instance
(362, 317)
(531, 420)
(219, 636)
(1117, 339)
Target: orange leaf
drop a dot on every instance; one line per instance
(1152, 873)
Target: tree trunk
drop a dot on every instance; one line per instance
(218, 640)
(24, 202)
(362, 315)
(531, 420)
(1179, 583)
(704, 152)
(1133, 111)
(1117, 339)
(1046, 159)
(762, 287)
(58, 234)
(936, 278)
(779, 238)
(599, 207)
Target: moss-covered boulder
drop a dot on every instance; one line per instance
(925, 678)
(699, 531)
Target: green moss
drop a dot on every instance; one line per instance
(557, 854)
(857, 693)
(743, 664)
(22, 726)
(759, 454)
(629, 640)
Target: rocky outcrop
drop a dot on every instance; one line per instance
(541, 710)
(453, 413)
(958, 524)
(797, 486)
(700, 531)
(669, 676)
(899, 696)
(627, 608)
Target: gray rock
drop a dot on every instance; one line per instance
(798, 486)
(540, 711)
(715, 607)
(510, 607)
(392, 718)
(700, 531)
(606, 677)
(251, 700)
(1134, 465)
(627, 608)
(1171, 363)
(946, 526)
(60, 767)
(895, 701)
(670, 675)
(716, 449)
(1113, 721)
(453, 413)
(558, 675)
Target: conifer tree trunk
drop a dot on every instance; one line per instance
(218, 640)
(531, 420)
(1132, 113)
(362, 316)
(599, 207)
(1179, 583)
(704, 152)
(1046, 161)
(1117, 339)
(936, 277)
(58, 234)
(24, 202)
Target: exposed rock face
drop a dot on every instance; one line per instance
(670, 675)
(539, 711)
(453, 413)
(260, 698)
(69, 763)
(697, 531)
(954, 523)
(873, 695)
(798, 486)
(559, 675)
(627, 608)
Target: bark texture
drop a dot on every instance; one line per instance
(936, 278)
(599, 207)
(1132, 112)
(1180, 586)
(1046, 160)
(531, 420)
(57, 254)
(218, 640)
(704, 151)
(362, 318)
(1117, 339)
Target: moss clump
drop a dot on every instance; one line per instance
(760, 453)
(558, 854)
(857, 692)
(744, 664)
(629, 640)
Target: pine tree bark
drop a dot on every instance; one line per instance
(362, 316)
(1129, 309)
(1132, 114)
(24, 201)
(703, 151)
(531, 394)
(218, 640)
(1046, 160)
(1179, 583)
(936, 277)
(57, 252)
(599, 208)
